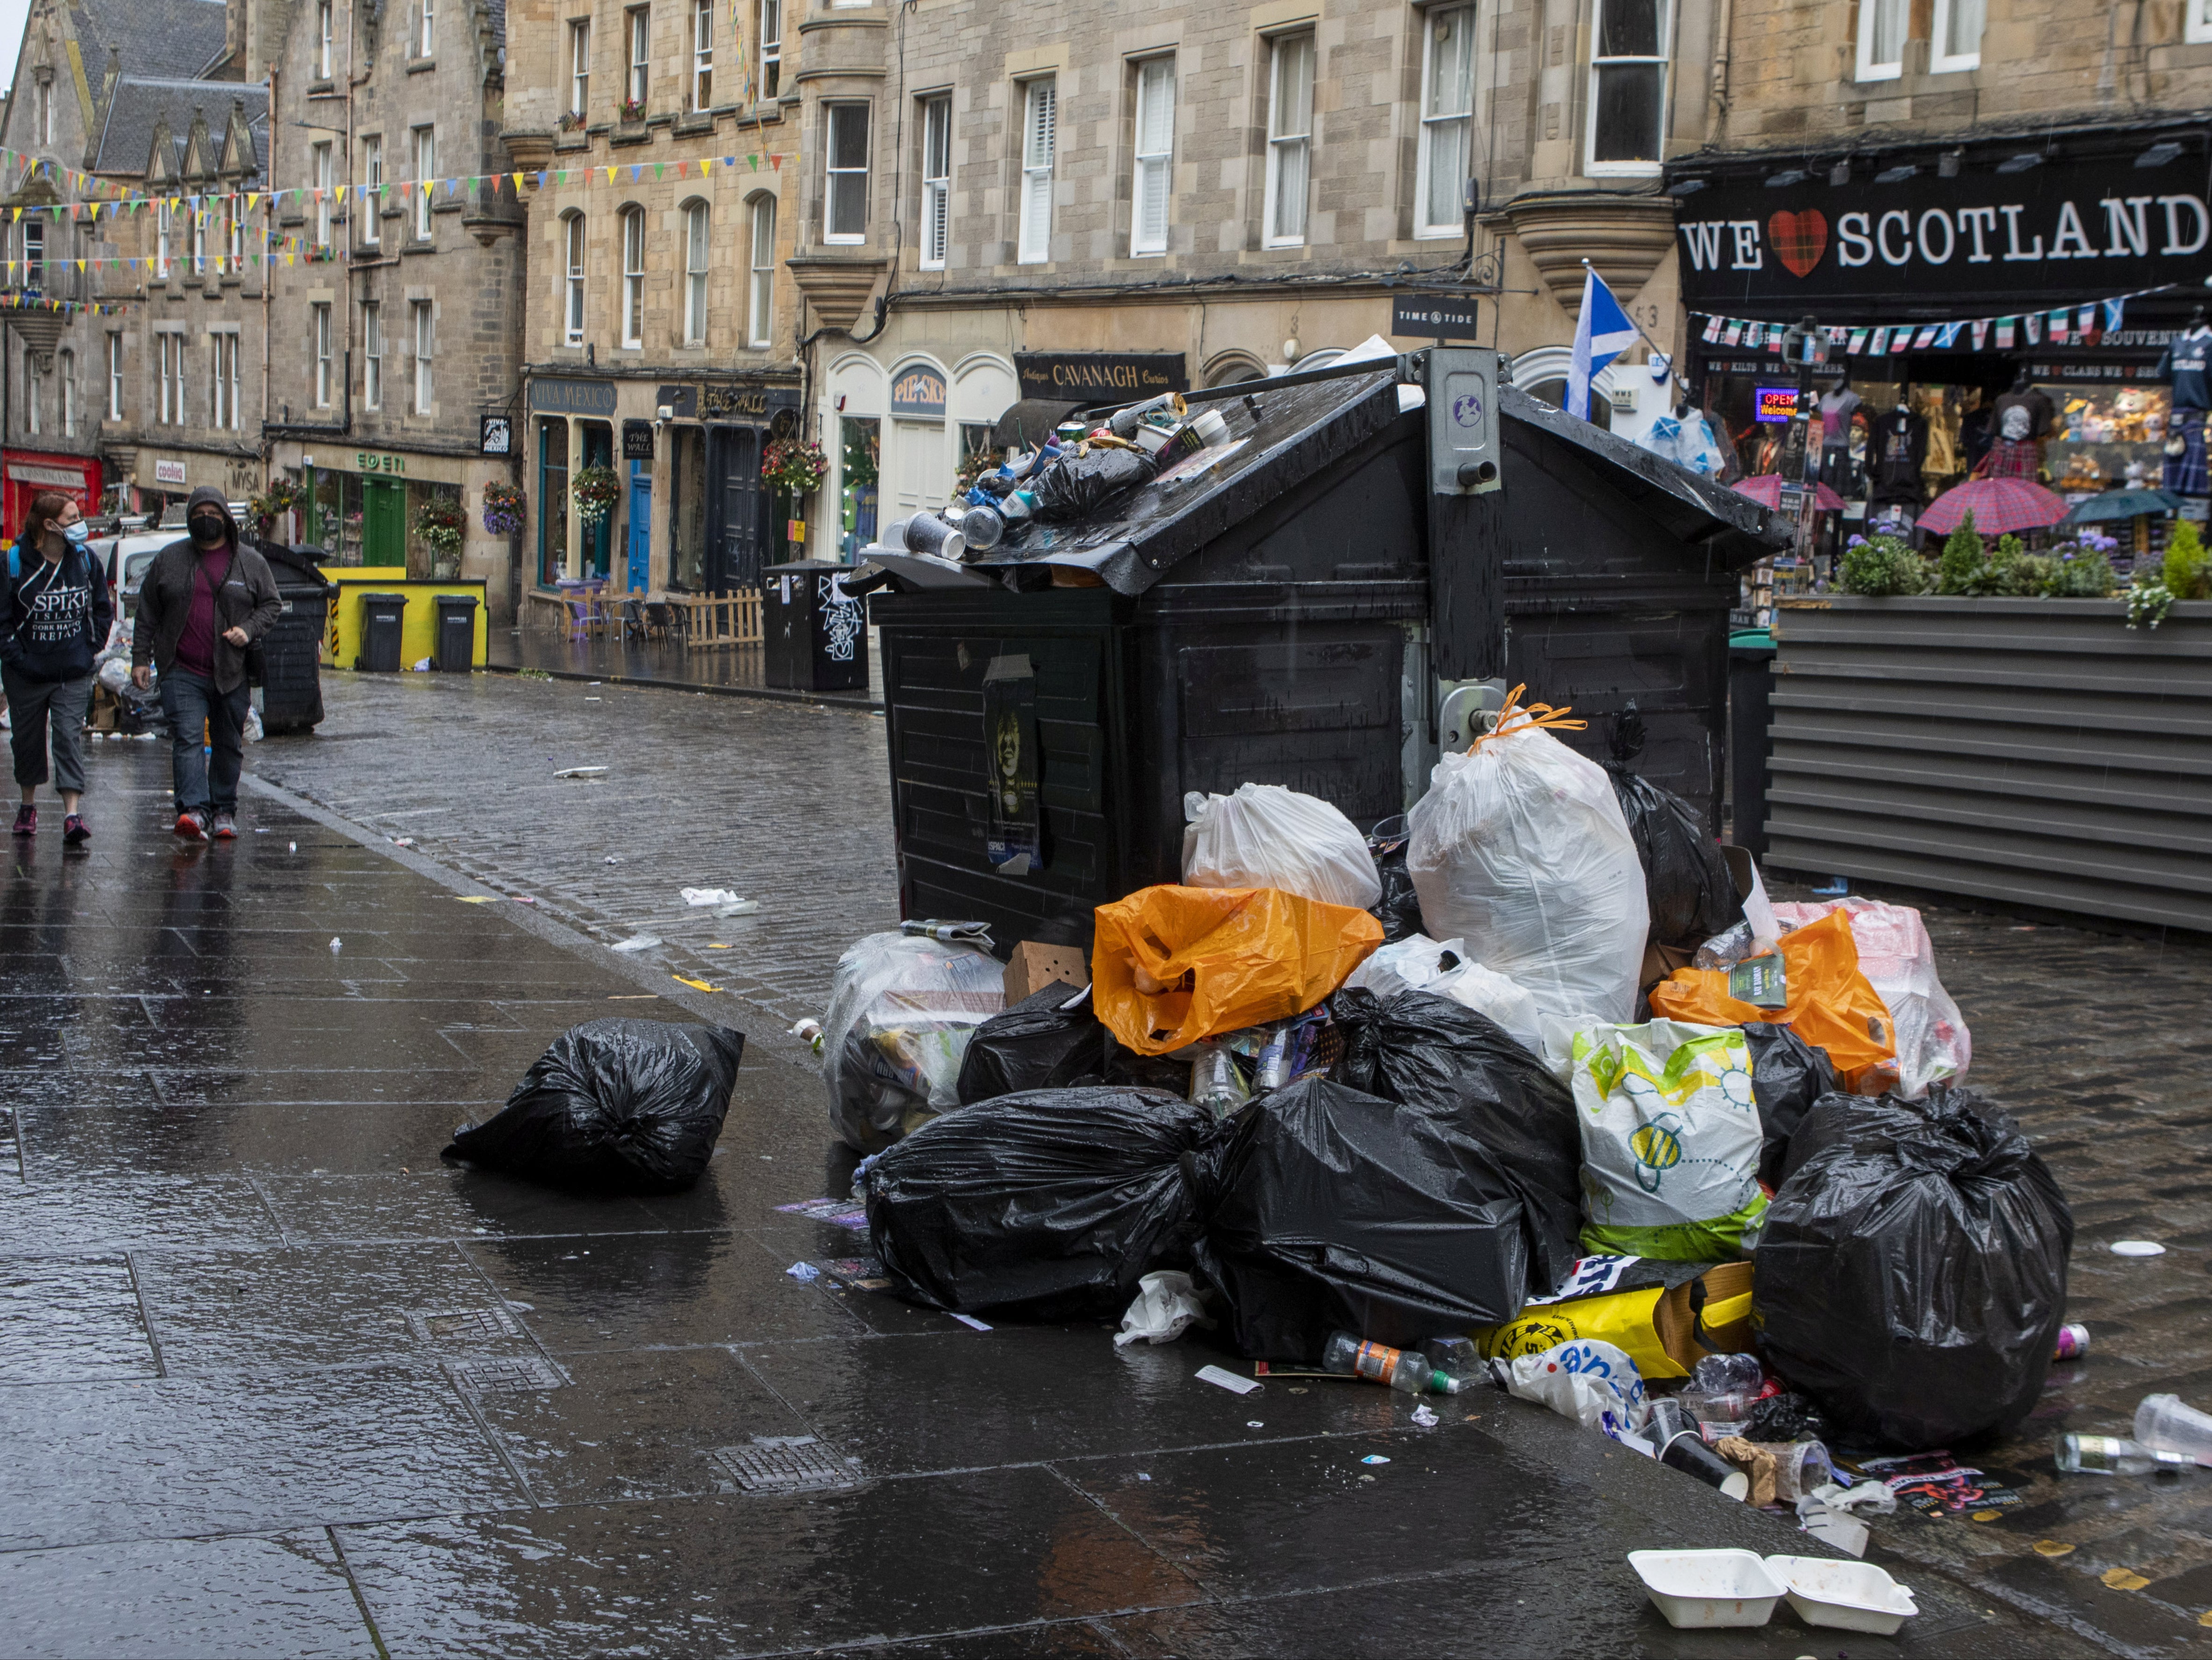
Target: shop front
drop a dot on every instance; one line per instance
(2003, 309)
(162, 477)
(27, 473)
(413, 512)
(722, 523)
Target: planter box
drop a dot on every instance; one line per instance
(2029, 751)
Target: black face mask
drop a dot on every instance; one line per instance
(206, 533)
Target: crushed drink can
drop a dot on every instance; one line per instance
(2073, 1343)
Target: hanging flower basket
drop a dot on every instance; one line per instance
(281, 497)
(504, 509)
(441, 526)
(795, 465)
(598, 489)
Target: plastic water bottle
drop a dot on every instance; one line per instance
(2112, 1455)
(1379, 1362)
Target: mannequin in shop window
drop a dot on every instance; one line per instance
(2186, 367)
(1838, 410)
(1899, 448)
(2023, 420)
(1977, 429)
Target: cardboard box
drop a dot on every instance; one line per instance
(1033, 967)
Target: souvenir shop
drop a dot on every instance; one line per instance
(2033, 309)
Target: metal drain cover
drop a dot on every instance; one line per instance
(786, 1463)
(483, 1324)
(529, 1371)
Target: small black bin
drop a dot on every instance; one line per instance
(814, 634)
(292, 650)
(381, 617)
(457, 633)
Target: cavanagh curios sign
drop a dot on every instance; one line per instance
(1100, 377)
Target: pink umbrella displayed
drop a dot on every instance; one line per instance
(2000, 506)
(1766, 491)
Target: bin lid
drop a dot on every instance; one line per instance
(797, 565)
(1304, 431)
(457, 601)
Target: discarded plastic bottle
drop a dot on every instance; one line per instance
(1216, 1081)
(1379, 1362)
(2112, 1455)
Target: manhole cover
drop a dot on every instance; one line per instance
(532, 1371)
(787, 1463)
(477, 1325)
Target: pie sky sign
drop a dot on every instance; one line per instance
(2057, 233)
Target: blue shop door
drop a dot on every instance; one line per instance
(641, 526)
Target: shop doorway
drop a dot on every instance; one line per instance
(383, 522)
(641, 526)
(735, 509)
(598, 540)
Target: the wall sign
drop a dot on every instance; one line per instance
(1100, 377)
(918, 389)
(637, 441)
(1433, 316)
(724, 401)
(495, 436)
(2059, 227)
(372, 461)
(558, 395)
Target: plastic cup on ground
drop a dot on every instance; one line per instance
(2165, 1424)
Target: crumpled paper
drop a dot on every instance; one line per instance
(1167, 1305)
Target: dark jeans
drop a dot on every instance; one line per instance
(205, 783)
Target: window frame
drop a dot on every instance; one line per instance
(46, 111)
(422, 323)
(637, 73)
(115, 374)
(1278, 142)
(164, 221)
(318, 312)
(198, 243)
(698, 262)
(369, 202)
(1156, 165)
(426, 33)
(224, 380)
(575, 255)
(324, 30)
(372, 354)
(1954, 62)
(702, 56)
(771, 49)
(1033, 240)
(2197, 22)
(760, 285)
(233, 233)
(34, 265)
(426, 171)
(579, 65)
(65, 374)
(1592, 167)
(321, 165)
(1431, 125)
(34, 396)
(936, 187)
(832, 173)
(1864, 68)
(633, 279)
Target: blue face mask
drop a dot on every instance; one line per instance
(75, 534)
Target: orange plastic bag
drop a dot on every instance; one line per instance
(1228, 958)
(1828, 1002)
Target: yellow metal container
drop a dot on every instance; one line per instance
(418, 633)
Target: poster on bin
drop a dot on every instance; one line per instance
(1011, 743)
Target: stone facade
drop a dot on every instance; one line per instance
(659, 316)
(400, 296)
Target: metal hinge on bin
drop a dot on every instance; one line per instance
(1466, 709)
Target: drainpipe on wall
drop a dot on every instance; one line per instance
(269, 212)
(1716, 99)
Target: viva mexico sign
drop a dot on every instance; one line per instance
(2057, 232)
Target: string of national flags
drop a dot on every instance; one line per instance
(2083, 325)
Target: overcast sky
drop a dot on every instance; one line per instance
(12, 13)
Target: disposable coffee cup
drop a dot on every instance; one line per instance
(1688, 1453)
(981, 526)
(926, 533)
(1799, 1467)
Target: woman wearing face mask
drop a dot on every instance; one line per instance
(204, 599)
(54, 612)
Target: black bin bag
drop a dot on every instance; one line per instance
(1685, 881)
(1787, 1076)
(1040, 1043)
(614, 1106)
(1912, 1275)
(1399, 910)
(1442, 1057)
(1082, 486)
(1048, 1205)
(1336, 1209)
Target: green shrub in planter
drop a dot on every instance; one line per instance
(2005, 573)
(1962, 556)
(1883, 565)
(2187, 573)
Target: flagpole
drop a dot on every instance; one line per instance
(1673, 371)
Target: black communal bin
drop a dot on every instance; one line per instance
(292, 650)
(382, 616)
(814, 635)
(1315, 609)
(456, 652)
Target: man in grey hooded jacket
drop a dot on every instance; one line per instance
(205, 598)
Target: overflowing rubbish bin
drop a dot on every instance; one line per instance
(814, 634)
(457, 633)
(291, 651)
(383, 616)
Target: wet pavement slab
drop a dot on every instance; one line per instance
(275, 1380)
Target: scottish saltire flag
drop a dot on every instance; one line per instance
(1602, 333)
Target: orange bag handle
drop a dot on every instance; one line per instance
(1530, 716)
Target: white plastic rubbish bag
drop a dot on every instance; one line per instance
(1595, 1383)
(1520, 849)
(1418, 963)
(1670, 1140)
(1899, 960)
(902, 1009)
(1167, 1304)
(1267, 836)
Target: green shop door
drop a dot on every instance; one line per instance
(383, 523)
